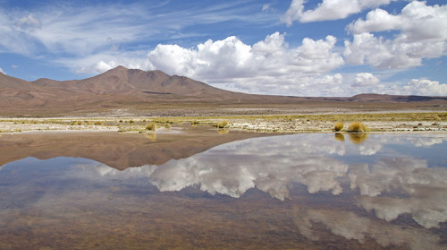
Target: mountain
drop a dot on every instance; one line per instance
(135, 90)
(135, 82)
(394, 98)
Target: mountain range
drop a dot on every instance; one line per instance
(122, 88)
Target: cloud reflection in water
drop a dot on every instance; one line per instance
(320, 163)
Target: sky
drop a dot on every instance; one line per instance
(278, 47)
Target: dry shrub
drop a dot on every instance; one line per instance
(338, 126)
(357, 127)
(151, 126)
(223, 124)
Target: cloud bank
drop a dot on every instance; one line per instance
(422, 34)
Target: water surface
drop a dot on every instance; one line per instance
(305, 191)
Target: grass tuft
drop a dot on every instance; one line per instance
(357, 127)
(338, 126)
(223, 124)
(151, 126)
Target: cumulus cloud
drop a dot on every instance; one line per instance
(422, 34)
(417, 21)
(365, 79)
(1, 71)
(328, 10)
(421, 87)
(231, 58)
(268, 66)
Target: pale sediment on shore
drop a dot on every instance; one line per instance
(324, 126)
(253, 125)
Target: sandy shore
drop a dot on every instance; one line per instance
(382, 122)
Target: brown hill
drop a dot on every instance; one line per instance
(136, 90)
(394, 98)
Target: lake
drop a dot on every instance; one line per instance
(223, 191)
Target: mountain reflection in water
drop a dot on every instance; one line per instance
(381, 190)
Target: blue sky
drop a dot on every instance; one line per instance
(301, 48)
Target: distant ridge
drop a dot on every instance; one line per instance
(394, 98)
(122, 88)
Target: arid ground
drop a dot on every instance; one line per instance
(266, 121)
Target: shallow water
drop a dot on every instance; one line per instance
(305, 191)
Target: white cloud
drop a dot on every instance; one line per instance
(83, 30)
(329, 10)
(376, 20)
(231, 58)
(266, 7)
(101, 62)
(417, 22)
(294, 12)
(1, 71)
(268, 66)
(103, 66)
(365, 79)
(423, 34)
(421, 87)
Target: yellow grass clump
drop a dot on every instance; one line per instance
(357, 127)
(338, 126)
(223, 124)
(151, 126)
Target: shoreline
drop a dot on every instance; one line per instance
(417, 121)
